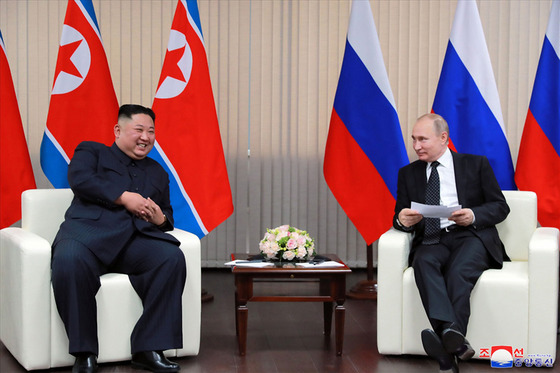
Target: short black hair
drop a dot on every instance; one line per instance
(128, 110)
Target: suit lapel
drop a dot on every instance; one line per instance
(420, 181)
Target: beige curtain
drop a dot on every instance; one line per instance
(274, 66)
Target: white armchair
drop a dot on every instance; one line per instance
(515, 306)
(30, 326)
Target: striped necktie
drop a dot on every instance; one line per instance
(432, 228)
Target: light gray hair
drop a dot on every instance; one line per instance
(440, 124)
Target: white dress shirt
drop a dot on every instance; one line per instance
(448, 188)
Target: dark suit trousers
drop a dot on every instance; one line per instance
(446, 273)
(157, 272)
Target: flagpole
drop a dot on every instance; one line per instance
(365, 289)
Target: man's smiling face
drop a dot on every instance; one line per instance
(135, 136)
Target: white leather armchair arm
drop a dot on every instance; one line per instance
(25, 296)
(192, 303)
(394, 247)
(543, 290)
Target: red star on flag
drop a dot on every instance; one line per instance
(65, 63)
(172, 65)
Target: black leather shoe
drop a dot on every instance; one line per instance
(434, 349)
(154, 361)
(85, 363)
(456, 343)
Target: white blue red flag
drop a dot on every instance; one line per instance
(83, 103)
(188, 142)
(467, 95)
(538, 162)
(365, 147)
(16, 172)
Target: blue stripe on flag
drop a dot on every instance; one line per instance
(186, 219)
(472, 126)
(545, 100)
(192, 8)
(362, 106)
(88, 6)
(53, 164)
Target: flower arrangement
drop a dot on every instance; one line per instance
(286, 243)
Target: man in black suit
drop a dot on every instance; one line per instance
(117, 223)
(449, 254)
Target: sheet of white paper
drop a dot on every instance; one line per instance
(232, 263)
(434, 211)
(330, 263)
(255, 265)
(247, 263)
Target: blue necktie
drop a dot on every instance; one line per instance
(432, 229)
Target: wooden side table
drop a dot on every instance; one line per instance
(332, 290)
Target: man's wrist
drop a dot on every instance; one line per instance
(402, 226)
(164, 222)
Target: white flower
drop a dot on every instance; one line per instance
(301, 252)
(282, 234)
(288, 255)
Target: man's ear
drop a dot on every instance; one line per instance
(117, 130)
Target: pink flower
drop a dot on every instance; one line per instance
(264, 246)
(288, 255)
(292, 244)
(269, 236)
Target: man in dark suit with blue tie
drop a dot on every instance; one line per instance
(449, 254)
(117, 223)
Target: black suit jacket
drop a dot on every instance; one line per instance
(477, 189)
(98, 175)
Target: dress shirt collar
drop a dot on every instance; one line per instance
(446, 160)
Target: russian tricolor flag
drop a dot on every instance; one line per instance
(538, 162)
(83, 103)
(467, 95)
(365, 148)
(189, 145)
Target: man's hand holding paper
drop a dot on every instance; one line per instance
(434, 211)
